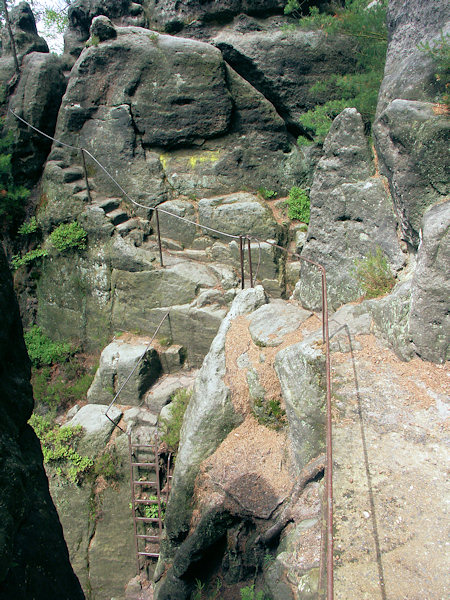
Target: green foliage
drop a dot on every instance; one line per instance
(94, 40)
(42, 350)
(440, 53)
(248, 593)
(64, 386)
(28, 227)
(105, 465)
(269, 412)
(374, 275)
(59, 448)
(151, 510)
(68, 236)
(32, 256)
(298, 204)
(171, 427)
(366, 28)
(266, 194)
(12, 197)
(165, 341)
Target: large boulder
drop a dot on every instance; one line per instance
(27, 568)
(351, 215)
(82, 12)
(285, 64)
(36, 99)
(429, 322)
(122, 362)
(24, 31)
(411, 139)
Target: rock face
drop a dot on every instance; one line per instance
(36, 99)
(28, 569)
(209, 417)
(411, 143)
(351, 216)
(24, 31)
(284, 65)
(429, 320)
(173, 16)
(409, 71)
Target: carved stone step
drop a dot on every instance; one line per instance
(118, 216)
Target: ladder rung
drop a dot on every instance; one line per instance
(143, 464)
(142, 446)
(146, 502)
(151, 554)
(147, 519)
(152, 538)
(144, 482)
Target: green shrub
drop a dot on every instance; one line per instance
(105, 465)
(42, 350)
(266, 194)
(12, 197)
(171, 427)
(28, 227)
(269, 413)
(28, 258)
(65, 386)
(374, 274)
(151, 510)
(298, 204)
(248, 593)
(68, 236)
(365, 27)
(439, 51)
(59, 448)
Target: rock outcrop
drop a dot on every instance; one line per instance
(351, 215)
(429, 323)
(34, 561)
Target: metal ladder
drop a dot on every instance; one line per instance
(141, 486)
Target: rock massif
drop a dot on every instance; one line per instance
(34, 562)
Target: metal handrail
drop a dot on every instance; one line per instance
(328, 492)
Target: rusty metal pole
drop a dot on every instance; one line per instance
(329, 441)
(133, 505)
(159, 237)
(86, 180)
(241, 255)
(250, 261)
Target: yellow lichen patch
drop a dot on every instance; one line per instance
(207, 156)
(164, 159)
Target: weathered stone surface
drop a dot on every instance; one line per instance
(271, 322)
(172, 358)
(25, 34)
(409, 71)
(102, 29)
(97, 428)
(82, 13)
(301, 371)
(284, 65)
(191, 327)
(351, 216)
(172, 16)
(27, 569)
(117, 361)
(36, 99)
(208, 418)
(429, 321)
(411, 139)
(174, 228)
(237, 214)
(391, 319)
(161, 393)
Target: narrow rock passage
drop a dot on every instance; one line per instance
(391, 526)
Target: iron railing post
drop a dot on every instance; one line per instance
(241, 256)
(250, 261)
(159, 237)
